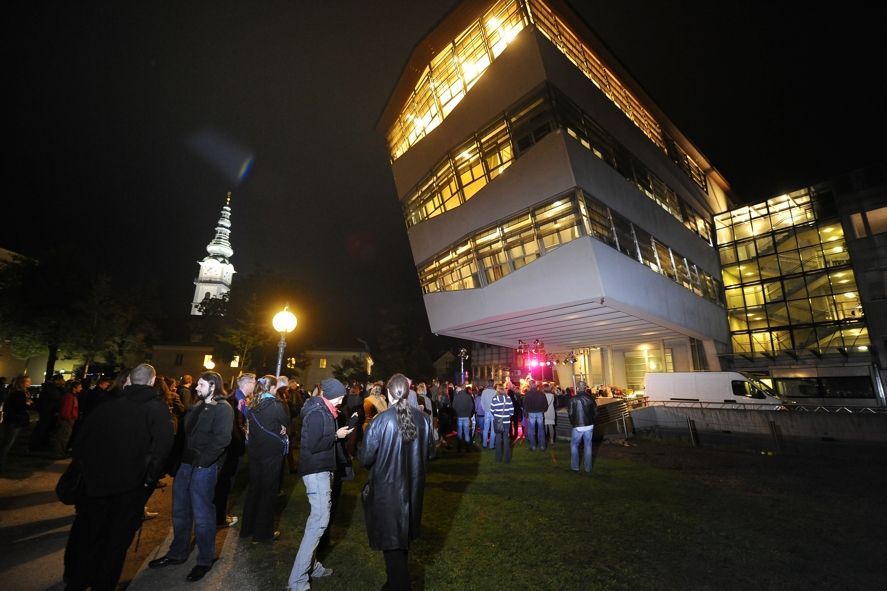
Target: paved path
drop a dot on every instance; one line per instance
(34, 526)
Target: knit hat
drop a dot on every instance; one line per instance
(332, 388)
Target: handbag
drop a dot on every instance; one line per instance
(498, 425)
(69, 489)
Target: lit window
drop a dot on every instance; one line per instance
(877, 219)
(322, 363)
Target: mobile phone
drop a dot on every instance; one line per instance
(354, 420)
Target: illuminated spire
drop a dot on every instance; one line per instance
(216, 271)
(219, 246)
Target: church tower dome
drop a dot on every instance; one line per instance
(216, 271)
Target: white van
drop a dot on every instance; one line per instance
(725, 387)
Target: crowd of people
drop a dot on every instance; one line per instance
(128, 435)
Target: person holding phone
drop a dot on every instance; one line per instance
(317, 463)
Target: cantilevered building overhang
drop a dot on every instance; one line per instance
(545, 195)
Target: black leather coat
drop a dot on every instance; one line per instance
(583, 408)
(396, 484)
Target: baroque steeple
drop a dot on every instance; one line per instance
(216, 271)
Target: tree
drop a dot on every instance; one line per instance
(35, 304)
(351, 369)
(247, 331)
(94, 332)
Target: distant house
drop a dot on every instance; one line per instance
(177, 360)
(323, 360)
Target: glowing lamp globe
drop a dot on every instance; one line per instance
(284, 321)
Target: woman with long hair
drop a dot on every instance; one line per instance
(396, 448)
(267, 442)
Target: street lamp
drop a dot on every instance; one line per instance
(571, 359)
(284, 322)
(463, 355)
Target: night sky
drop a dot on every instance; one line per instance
(131, 121)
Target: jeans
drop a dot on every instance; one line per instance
(503, 447)
(463, 429)
(192, 504)
(536, 421)
(8, 434)
(489, 434)
(319, 489)
(576, 437)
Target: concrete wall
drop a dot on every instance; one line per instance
(867, 428)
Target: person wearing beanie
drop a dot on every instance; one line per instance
(317, 462)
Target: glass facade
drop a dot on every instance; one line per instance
(788, 282)
(459, 65)
(494, 252)
(477, 160)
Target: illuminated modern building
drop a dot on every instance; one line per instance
(805, 277)
(216, 271)
(547, 197)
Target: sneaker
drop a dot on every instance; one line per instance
(232, 520)
(320, 571)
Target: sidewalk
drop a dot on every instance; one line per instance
(34, 525)
(34, 528)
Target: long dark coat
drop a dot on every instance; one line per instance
(396, 485)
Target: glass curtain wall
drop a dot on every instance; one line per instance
(788, 282)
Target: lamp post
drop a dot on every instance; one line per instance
(571, 359)
(284, 322)
(463, 355)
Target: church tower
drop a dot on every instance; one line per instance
(216, 271)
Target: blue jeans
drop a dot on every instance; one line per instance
(463, 429)
(536, 420)
(488, 432)
(192, 505)
(577, 437)
(320, 498)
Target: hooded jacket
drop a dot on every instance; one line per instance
(317, 452)
(396, 484)
(123, 443)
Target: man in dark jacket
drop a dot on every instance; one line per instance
(535, 404)
(207, 434)
(48, 405)
(122, 446)
(463, 408)
(582, 411)
(317, 462)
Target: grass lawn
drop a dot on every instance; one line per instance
(654, 515)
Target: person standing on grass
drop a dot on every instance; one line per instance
(317, 462)
(535, 404)
(501, 411)
(583, 409)
(463, 408)
(396, 448)
(550, 414)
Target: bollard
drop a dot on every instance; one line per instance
(777, 440)
(691, 426)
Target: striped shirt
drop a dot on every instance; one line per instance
(501, 407)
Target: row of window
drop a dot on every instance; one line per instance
(560, 34)
(779, 213)
(492, 253)
(460, 64)
(453, 71)
(822, 338)
(869, 223)
(475, 162)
